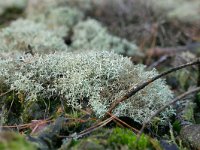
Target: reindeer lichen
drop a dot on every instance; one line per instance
(188, 11)
(92, 79)
(84, 6)
(90, 34)
(24, 35)
(60, 19)
(41, 5)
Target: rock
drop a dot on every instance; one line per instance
(191, 135)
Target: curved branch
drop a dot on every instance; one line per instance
(168, 104)
(135, 89)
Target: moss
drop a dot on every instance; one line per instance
(188, 112)
(13, 141)
(11, 109)
(87, 144)
(32, 111)
(127, 138)
(116, 138)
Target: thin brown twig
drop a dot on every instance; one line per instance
(23, 126)
(180, 97)
(118, 123)
(198, 80)
(159, 61)
(11, 103)
(124, 123)
(159, 51)
(3, 94)
(97, 125)
(90, 129)
(139, 87)
(100, 126)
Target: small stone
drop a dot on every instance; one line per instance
(191, 135)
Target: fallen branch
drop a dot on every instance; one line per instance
(139, 87)
(180, 97)
(159, 51)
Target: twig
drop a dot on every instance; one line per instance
(159, 51)
(180, 97)
(161, 60)
(3, 94)
(11, 103)
(91, 129)
(24, 126)
(139, 87)
(198, 80)
(124, 123)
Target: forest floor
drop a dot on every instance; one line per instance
(171, 45)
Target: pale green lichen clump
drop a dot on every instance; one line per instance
(6, 4)
(43, 5)
(84, 6)
(60, 19)
(23, 35)
(188, 11)
(90, 34)
(92, 79)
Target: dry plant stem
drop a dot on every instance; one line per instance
(180, 97)
(124, 123)
(25, 126)
(96, 128)
(160, 61)
(139, 87)
(91, 129)
(11, 103)
(198, 81)
(3, 94)
(98, 124)
(159, 51)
